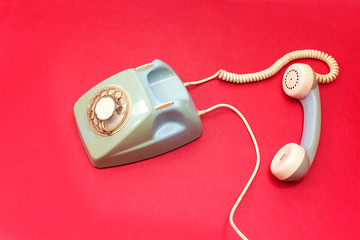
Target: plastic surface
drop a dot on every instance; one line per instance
(290, 163)
(298, 80)
(163, 117)
(312, 122)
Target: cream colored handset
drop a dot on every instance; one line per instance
(292, 161)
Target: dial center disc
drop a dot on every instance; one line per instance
(105, 108)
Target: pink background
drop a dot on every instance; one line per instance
(52, 52)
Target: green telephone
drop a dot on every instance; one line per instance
(136, 114)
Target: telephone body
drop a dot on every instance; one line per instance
(160, 116)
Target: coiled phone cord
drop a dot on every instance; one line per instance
(279, 64)
(231, 216)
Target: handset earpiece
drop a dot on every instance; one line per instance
(293, 161)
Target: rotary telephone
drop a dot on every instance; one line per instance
(136, 114)
(146, 111)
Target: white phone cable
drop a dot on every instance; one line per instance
(231, 216)
(279, 64)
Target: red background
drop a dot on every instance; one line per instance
(52, 52)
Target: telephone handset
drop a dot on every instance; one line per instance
(143, 112)
(136, 114)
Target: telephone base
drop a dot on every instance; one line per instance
(161, 116)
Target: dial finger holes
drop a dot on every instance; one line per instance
(109, 110)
